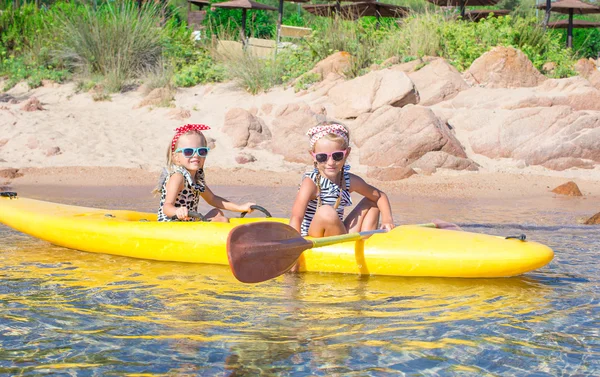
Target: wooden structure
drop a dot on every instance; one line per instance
(295, 31)
(244, 5)
(195, 18)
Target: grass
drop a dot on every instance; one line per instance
(114, 40)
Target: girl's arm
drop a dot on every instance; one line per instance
(222, 203)
(174, 187)
(375, 195)
(307, 192)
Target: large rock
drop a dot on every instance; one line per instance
(369, 92)
(337, 63)
(503, 67)
(437, 81)
(244, 128)
(394, 137)
(575, 92)
(537, 136)
(289, 128)
(570, 189)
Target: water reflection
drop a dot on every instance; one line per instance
(64, 312)
(115, 313)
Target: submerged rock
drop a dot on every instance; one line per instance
(594, 220)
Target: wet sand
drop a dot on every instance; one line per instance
(467, 198)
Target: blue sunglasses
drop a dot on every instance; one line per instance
(189, 152)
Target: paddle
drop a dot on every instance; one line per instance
(261, 251)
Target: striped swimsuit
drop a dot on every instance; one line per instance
(329, 195)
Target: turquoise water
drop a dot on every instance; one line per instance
(69, 313)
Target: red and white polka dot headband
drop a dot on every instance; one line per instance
(318, 132)
(184, 129)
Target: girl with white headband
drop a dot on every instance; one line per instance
(318, 210)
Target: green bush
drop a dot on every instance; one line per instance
(16, 70)
(294, 62)
(118, 41)
(204, 70)
(586, 42)
(252, 73)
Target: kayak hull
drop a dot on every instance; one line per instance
(407, 250)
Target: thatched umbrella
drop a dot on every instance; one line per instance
(359, 9)
(244, 5)
(478, 15)
(571, 7)
(464, 3)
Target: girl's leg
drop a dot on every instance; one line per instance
(216, 215)
(365, 216)
(326, 223)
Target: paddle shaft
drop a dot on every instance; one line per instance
(332, 240)
(349, 237)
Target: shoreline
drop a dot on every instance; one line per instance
(444, 184)
(467, 198)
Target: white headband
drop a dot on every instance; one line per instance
(318, 132)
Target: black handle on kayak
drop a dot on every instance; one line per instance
(520, 237)
(258, 208)
(195, 215)
(9, 194)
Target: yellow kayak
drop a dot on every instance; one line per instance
(408, 250)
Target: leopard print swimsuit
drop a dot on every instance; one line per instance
(188, 197)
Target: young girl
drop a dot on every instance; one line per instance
(318, 210)
(182, 184)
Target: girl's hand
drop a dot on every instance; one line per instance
(246, 207)
(182, 213)
(387, 226)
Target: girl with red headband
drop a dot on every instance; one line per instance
(182, 183)
(318, 210)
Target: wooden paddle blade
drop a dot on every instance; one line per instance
(263, 250)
